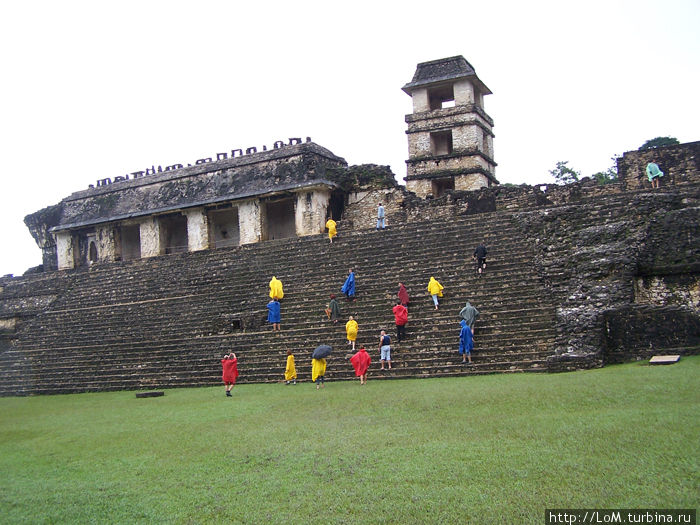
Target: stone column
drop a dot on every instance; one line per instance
(310, 212)
(64, 250)
(106, 243)
(197, 230)
(149, 231)
(249, 221)
(420, 100)
(464, 92)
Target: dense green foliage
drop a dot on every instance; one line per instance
(481, 449)
(659, 142)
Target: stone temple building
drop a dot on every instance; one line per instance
(450, 137)
(149, 278)
(272, 194)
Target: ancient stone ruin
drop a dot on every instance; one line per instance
(149, 278)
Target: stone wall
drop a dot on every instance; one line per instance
(638, 332)
(590, 256)
(680, 164)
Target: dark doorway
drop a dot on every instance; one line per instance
(336, 206)
(279, 219)
(130, 242)
(440, 186)
(173, 233)
(224, 230)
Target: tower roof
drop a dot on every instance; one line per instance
(442, 70)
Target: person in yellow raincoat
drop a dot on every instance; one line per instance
(332, 232)
(276, 288)
(351, 331)
(435, 289)
(318, 370)
(290, 373)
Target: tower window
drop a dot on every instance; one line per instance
(441, 143)
(441, 97)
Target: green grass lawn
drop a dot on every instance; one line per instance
(488, 449)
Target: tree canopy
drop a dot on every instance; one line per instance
(659, 142)
(563, 174)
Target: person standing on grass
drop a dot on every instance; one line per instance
(230, 371)
(466, 343)
(290, 373)
(435, 290)
(469, 314)
(332, 232)
(349, 286)
(274, 314)
(276, 289)
(401, 318)
(318, 370)
(385, 349)
(360, 362)
(403, 295)
(333, 309)
(351, 329)
(380, 217)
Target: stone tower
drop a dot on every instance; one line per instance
(450, 138)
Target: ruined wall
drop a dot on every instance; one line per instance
(680, 164)
(638, 332)
(591, 257)
(361, 212)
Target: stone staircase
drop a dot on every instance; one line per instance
(166, 321)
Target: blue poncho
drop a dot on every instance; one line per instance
(349, 286)
(273, 312)
(466, 343)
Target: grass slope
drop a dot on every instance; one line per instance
(487, 449)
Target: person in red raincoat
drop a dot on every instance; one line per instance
(401, 318)
(360, 362)
(403, 295)
(230, 366)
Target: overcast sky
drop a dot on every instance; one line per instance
(96, 89)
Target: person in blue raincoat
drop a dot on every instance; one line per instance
(466, 343)
(349, 287)
(274, 314)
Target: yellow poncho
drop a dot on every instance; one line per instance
(291, 370)
(435, 287)
(351, 330)
(318, 368)
(276, 288)
(330, 224)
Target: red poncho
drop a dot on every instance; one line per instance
(360, 362)
(400, 315)
(230, 367)
(403, 295)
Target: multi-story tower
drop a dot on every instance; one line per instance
(450, 138)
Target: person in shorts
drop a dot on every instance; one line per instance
(385, 349)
